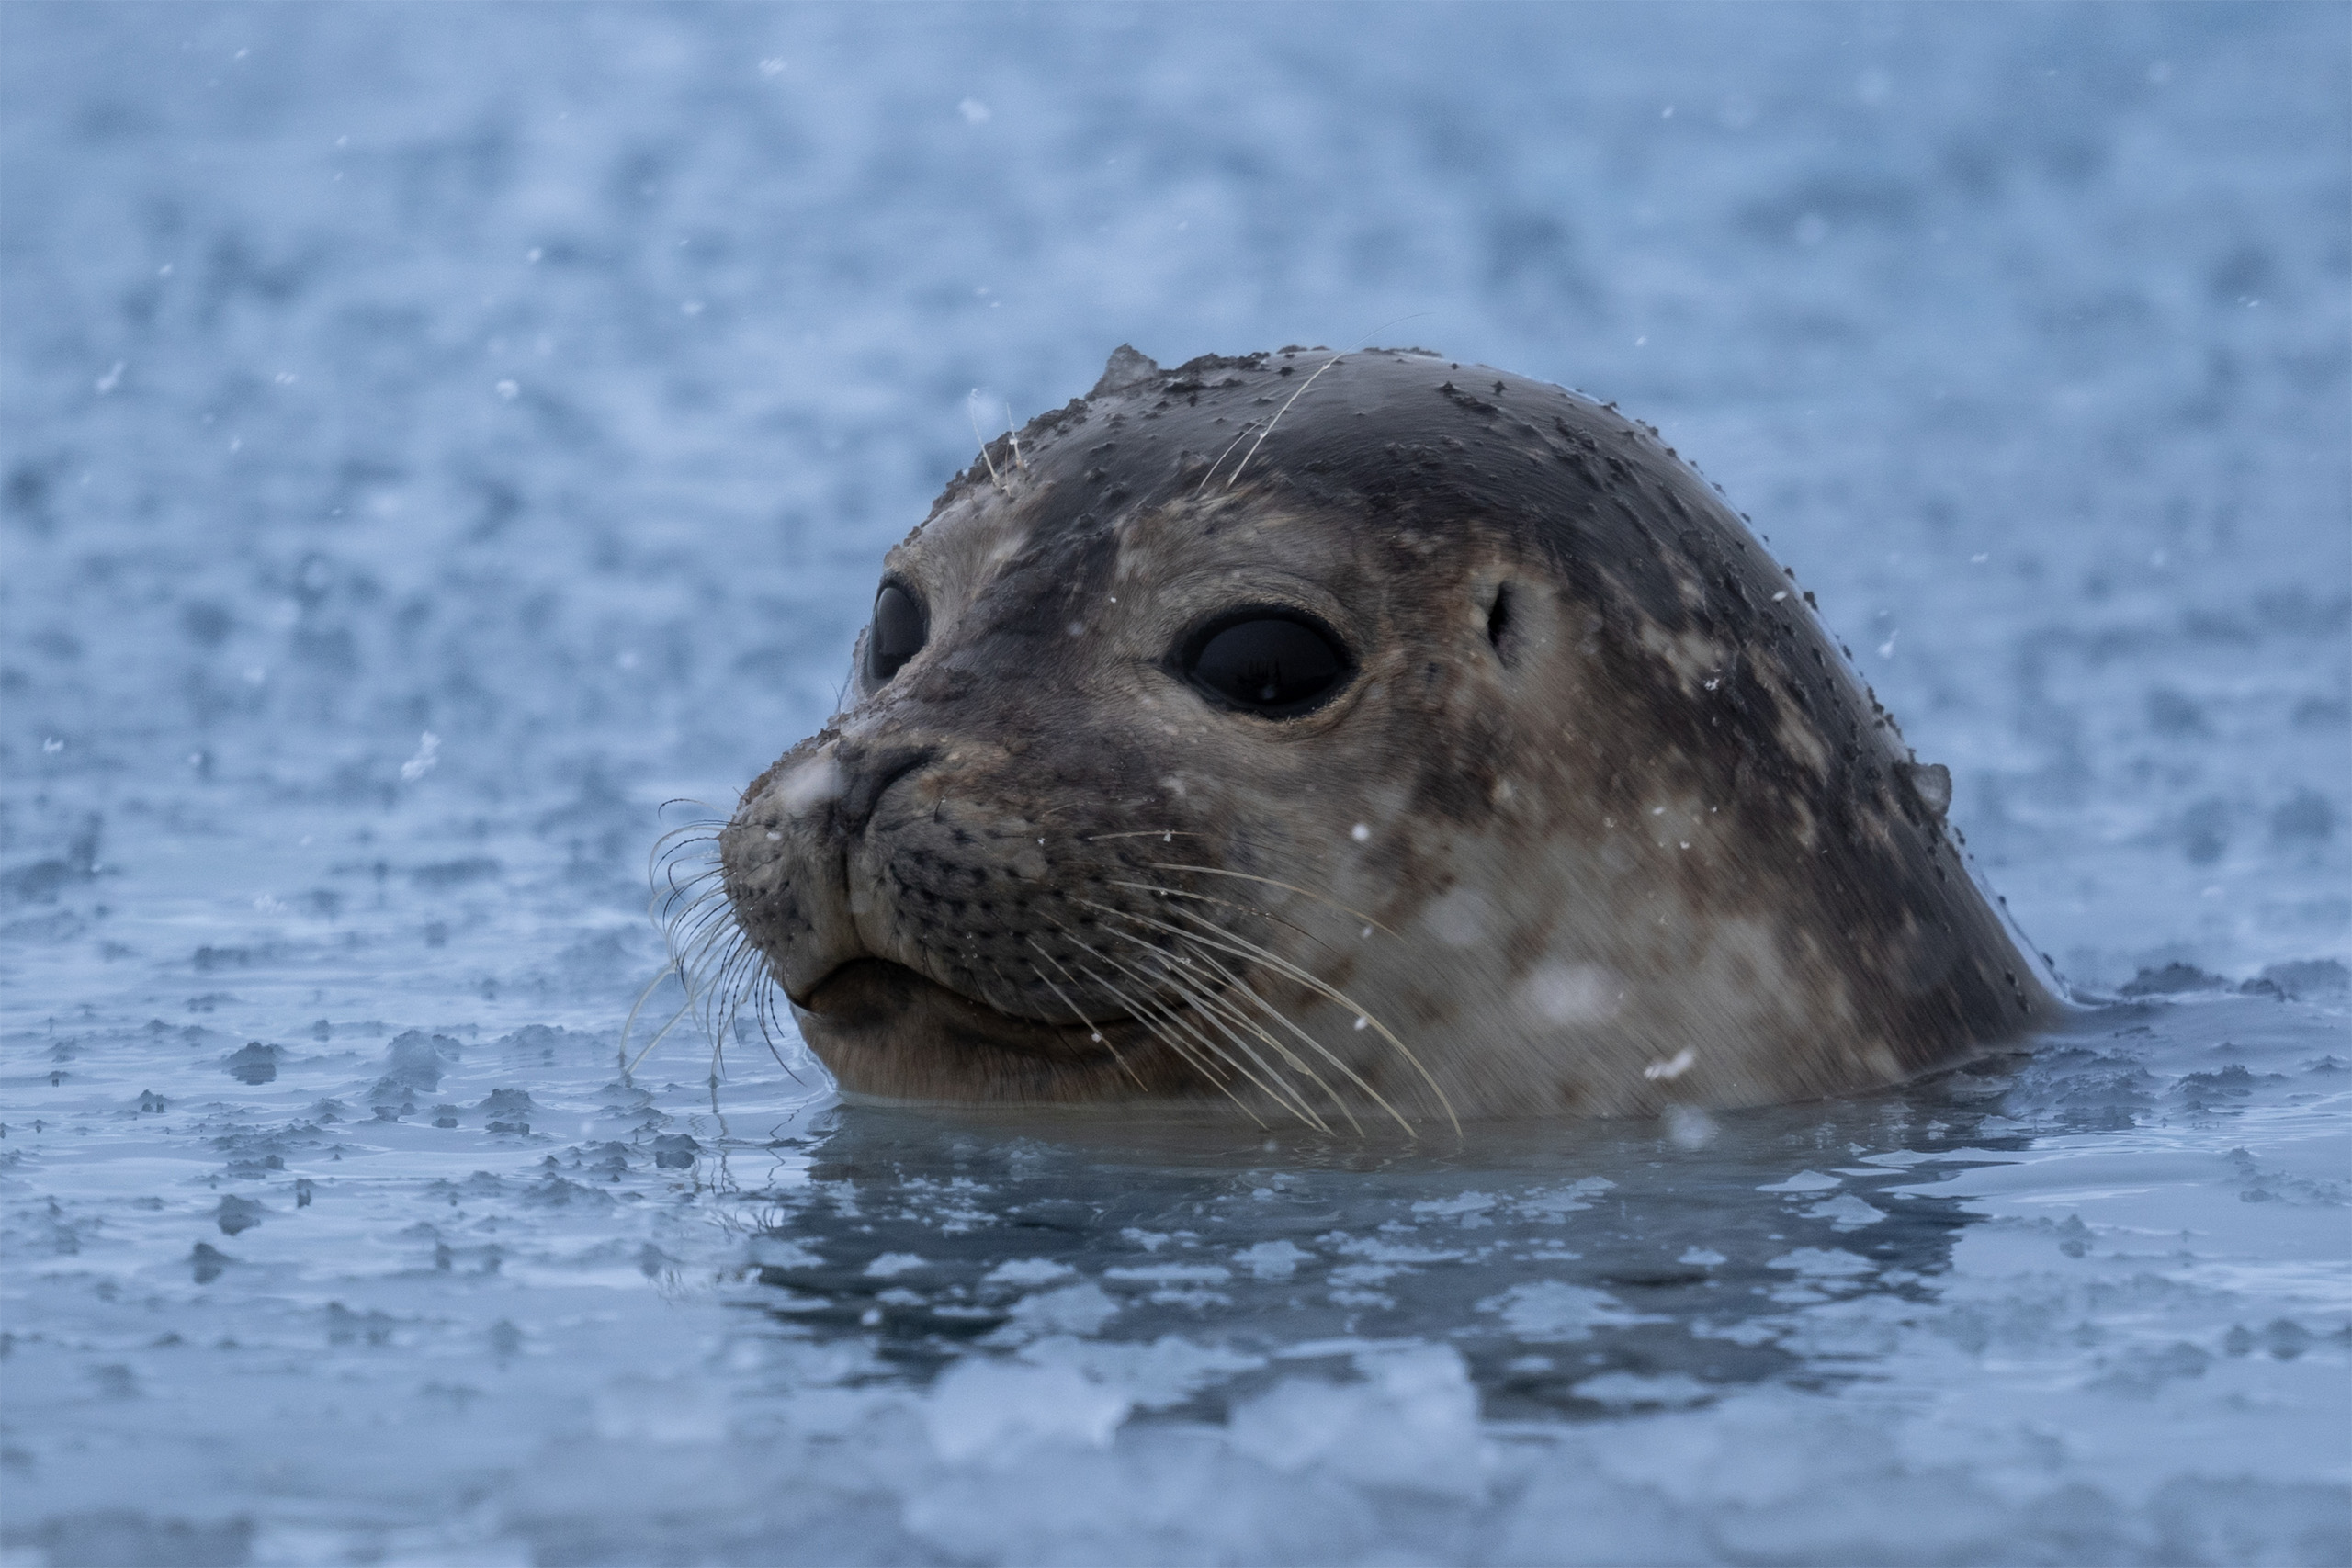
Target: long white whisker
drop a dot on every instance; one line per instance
(656, 1040)
(1285, 966)
(1196, 943)
(1283, 1092)
(1278, 419)
(1222, 1014)
(1154, 888)
(1247, 876)
(1243, 435)
(1095, 1029)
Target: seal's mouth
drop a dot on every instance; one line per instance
(872, 996)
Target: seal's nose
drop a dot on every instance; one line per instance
(867, 773)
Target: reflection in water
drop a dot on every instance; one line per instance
(1577, 1266)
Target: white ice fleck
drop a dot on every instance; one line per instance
(509, 390)
(428, 756)
(1459, 920)
(975, 112)
(813, 782)
(891, 1265)
(1359, 832)
(1571, 994)
(113, 378)
(1672, 1066)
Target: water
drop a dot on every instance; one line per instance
(429, 449)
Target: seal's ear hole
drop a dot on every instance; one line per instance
(1275, 662)
(898, 630)
(1499, 623)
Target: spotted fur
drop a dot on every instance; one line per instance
(1602, 822)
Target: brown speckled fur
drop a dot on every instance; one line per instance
(1622, 799)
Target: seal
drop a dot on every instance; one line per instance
(1357, 736)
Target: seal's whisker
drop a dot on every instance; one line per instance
(764, 994)
(727, 986)
(1235, 985)
(675, 842)
(696, 931)
(655, 1041)
(673, 911)
(1143, 1011)
(707, 967)
(695, 825)
(1139, 1012)
(713, 871)
(1241, 947)
(1100, 1038)
(659, 903)
(1246, 876)
(1284, 966)
(1196, 944)
(635, 1008)
(995, 478)
(699, 915)
(677, 909)
(1221, 456)
(714, 928)
(1272, 1082)
(702, 830)
(1278, 419)
(1222, 1013)
(1159, 1032)
(1224, 903)
(1143, 833)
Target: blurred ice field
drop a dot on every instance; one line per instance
(437, 436)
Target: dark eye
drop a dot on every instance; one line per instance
(1274, 662)
(898, 633)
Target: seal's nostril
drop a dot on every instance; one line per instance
(870, 774)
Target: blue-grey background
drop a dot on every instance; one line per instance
(436, 435)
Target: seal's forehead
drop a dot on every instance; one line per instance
(1318, 454)
(964, 545)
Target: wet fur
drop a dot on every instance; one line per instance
(1637, 835)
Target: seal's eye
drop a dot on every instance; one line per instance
(898, 633)
(1274, 662)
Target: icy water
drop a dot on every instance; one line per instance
(436, 437)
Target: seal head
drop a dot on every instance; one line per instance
(1359, 735)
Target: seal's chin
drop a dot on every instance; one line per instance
(874, 1001)
(886, 1031)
